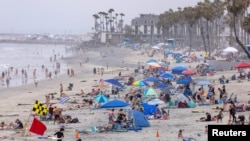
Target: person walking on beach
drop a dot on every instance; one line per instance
(94, 71)
(61, 89)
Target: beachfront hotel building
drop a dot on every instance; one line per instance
(145, 26)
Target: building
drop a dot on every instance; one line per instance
(145, 27)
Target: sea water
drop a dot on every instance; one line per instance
(29, 57)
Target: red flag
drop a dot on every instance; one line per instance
(37, 127)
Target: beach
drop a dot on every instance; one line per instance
(20, 99)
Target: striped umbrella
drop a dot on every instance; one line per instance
(139, 83)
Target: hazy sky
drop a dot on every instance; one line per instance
(73, 16)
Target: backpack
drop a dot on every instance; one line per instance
(74, 120)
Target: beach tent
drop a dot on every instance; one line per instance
(148, 109)
(116, 103)
(139, 119)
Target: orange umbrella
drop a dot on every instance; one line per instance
(188, 72)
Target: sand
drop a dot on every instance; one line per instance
(19, 100)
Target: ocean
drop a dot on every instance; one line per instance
(29, 59)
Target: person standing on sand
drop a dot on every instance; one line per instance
(61, 89)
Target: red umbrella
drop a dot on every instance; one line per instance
(188, 72)
(242, 65)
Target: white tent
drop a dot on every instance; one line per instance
(230, 50)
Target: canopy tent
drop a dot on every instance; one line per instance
(116, 103)
(139, 119)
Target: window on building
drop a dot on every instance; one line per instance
(152, 29)
(145, 29)
(145, 21)
(136, 29)
(158, 30)
(152, 22)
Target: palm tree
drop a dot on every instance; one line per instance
(101, 15)
(110, 11)
(191, 16)
(116, 21)
(237, 9)
(208, 13)
(121, 22)
(96, 21)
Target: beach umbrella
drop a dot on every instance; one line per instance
(179, 69)
(167, 75)
(100, 98)
(162, 86)
(150, 92)
(156, 102)
(188, 72)
(154, 64)
(155, 47)
(204, 82)
(151, 61)
(230, 50)
(114, 82)
(152, 79)
(242, 65)
(183, 81)
(115, 103)
(169, 52)
(139, 83)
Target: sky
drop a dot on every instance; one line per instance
(74, 16)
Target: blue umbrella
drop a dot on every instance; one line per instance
(169, 52)
(162, 86)
(167, 75)
(101, 98)
(114, 82)
(205, 82)
(152, 79)
(151, 60)
(183, 81)
(114, 104)
(178, 69)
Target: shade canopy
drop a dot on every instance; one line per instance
(116, 103)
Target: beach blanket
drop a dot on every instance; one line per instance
(63, 100)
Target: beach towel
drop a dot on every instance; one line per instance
(63, 100)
